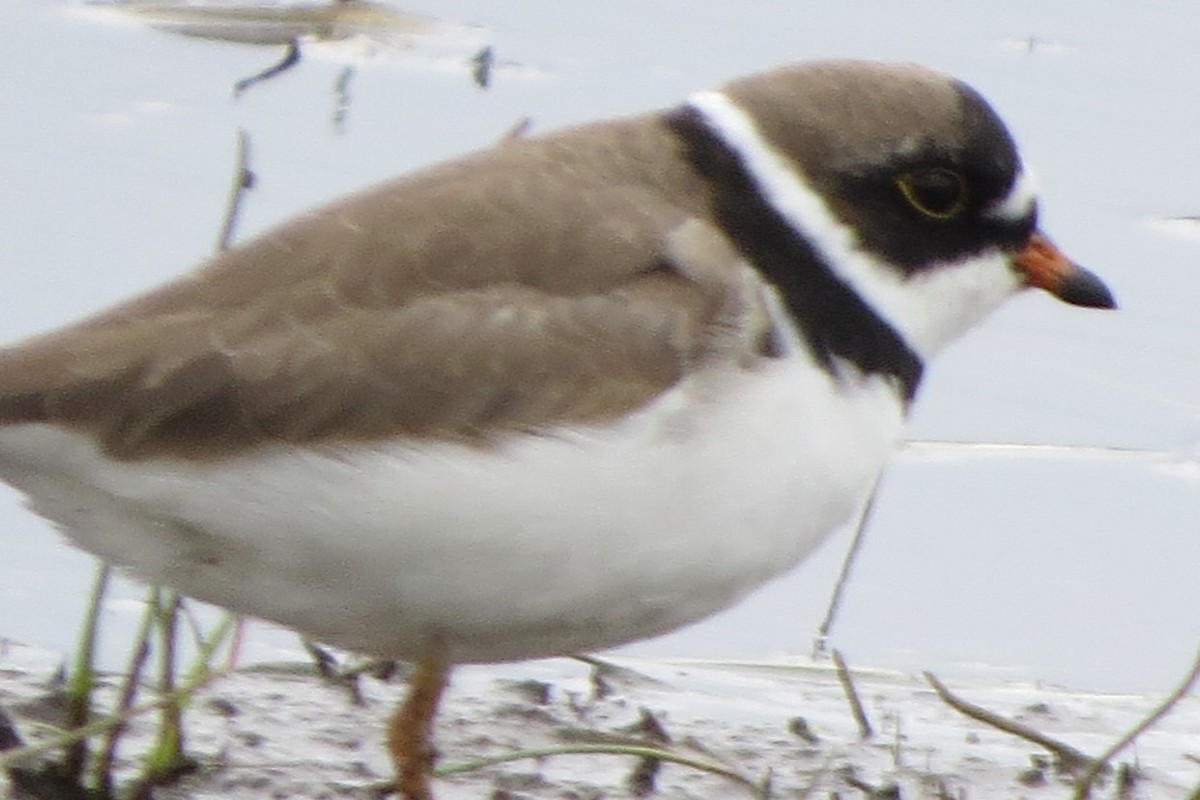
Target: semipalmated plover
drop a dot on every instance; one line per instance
(567, 392)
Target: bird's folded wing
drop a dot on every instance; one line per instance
(303, 367)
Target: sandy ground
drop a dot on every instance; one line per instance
(279, 731)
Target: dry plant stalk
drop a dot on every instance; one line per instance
(865, 730)
(243, 180)
(1069, 759)
(839, 588)
(1084, 787)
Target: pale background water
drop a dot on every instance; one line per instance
(115, 158)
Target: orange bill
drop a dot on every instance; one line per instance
(1046, 267)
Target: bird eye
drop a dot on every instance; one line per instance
(937, 192)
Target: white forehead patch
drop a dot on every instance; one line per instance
(927, 309)
(1020, 200)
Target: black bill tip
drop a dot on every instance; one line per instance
(1081, 287)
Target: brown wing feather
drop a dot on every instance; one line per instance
(455, 365)
(448, 304)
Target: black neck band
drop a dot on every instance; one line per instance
(836, 323)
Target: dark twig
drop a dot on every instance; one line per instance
(856, 707)
(481, 67)
(291, 57)
(641, 782)
(1069, 759)
(887, 791)
(331, 671)
(1084, 787)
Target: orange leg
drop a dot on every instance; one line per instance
(411, 727)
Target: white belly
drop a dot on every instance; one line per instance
(570, 541)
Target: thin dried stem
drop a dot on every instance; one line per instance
(1069, 759)
(1084, 787)
(243, 180)
(638, 751)
(839, 588)
(865, 730)
(291, 57)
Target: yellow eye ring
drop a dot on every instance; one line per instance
(936, 192)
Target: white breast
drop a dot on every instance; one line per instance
(569, 541)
